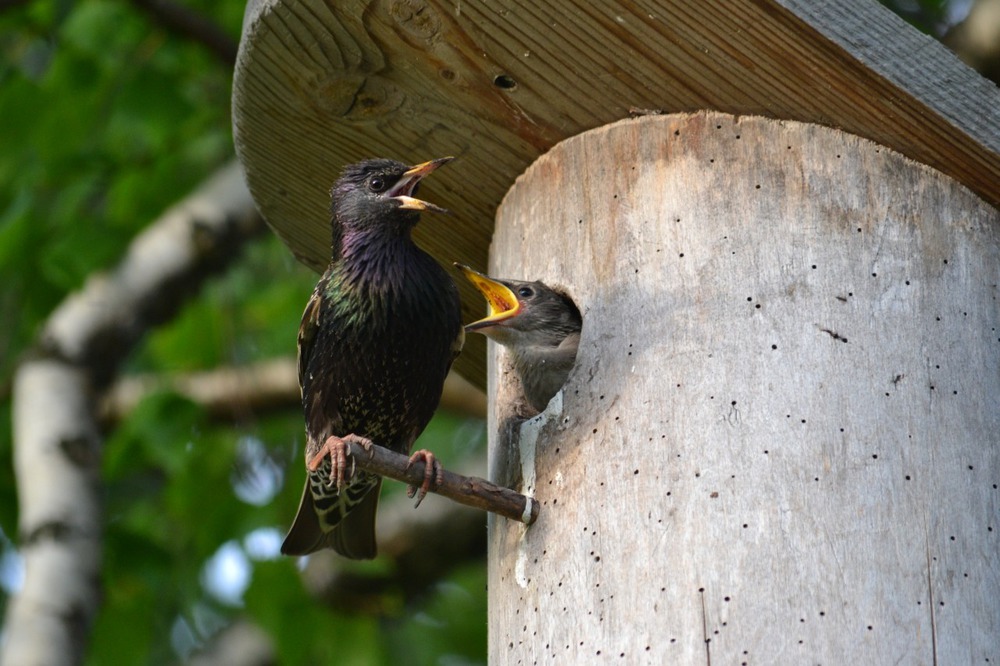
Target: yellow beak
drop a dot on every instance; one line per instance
(402, 190)
(502, 302)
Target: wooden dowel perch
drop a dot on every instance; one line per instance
(469, 490)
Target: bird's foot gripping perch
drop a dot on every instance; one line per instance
(338, 448)
(467, 490)
(432, 470)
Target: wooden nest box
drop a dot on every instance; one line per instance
(779, 220)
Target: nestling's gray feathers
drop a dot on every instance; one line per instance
(542, 332)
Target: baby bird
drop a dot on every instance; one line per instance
(540, 327)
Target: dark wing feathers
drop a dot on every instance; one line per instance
(345, 520)
(305, 535)
(308, 328)
(457, 343)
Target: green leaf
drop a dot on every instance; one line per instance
(304, 632)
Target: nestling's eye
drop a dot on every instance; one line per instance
(525, 292)
(377, 184)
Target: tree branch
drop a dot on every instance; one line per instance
(188, 23)
(98, 326)
(468, 490)
(230, 393)
(234, 393)
(11, 4)
(57, 449)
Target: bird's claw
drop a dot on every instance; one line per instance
(432, 471)
(338, 448)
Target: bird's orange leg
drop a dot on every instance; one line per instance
(337, 448)
(432, 470)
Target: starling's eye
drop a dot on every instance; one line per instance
(525, 292)
(377, 184)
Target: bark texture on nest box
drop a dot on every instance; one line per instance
(781, 440)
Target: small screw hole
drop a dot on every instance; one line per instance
(504, 82)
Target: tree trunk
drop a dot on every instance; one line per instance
(57, 440)
(780, 440)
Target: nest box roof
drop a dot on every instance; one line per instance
(319, 84)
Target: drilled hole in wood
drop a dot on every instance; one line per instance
(504, 82)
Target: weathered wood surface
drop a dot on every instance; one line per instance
(781, 441)
(319, 84)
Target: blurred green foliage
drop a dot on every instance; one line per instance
(108, 119)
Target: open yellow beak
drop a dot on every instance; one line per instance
(502, 301)
(403, 190)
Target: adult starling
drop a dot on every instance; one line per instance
(539, 325)
(376, 341)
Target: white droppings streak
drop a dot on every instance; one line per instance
(521, 566)
(528, 440)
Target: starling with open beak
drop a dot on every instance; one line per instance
(540, 327)
(375, 343)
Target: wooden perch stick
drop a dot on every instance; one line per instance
(469, 490)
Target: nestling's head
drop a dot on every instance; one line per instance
(378, 193)
(523, 314)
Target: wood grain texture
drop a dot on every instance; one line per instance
(781, 440)
(320, 84)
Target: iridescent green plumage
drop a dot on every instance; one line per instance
(376, 341)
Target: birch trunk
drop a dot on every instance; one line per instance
(780, 440)
(57, 439)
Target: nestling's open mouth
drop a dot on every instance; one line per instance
(501, 300)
